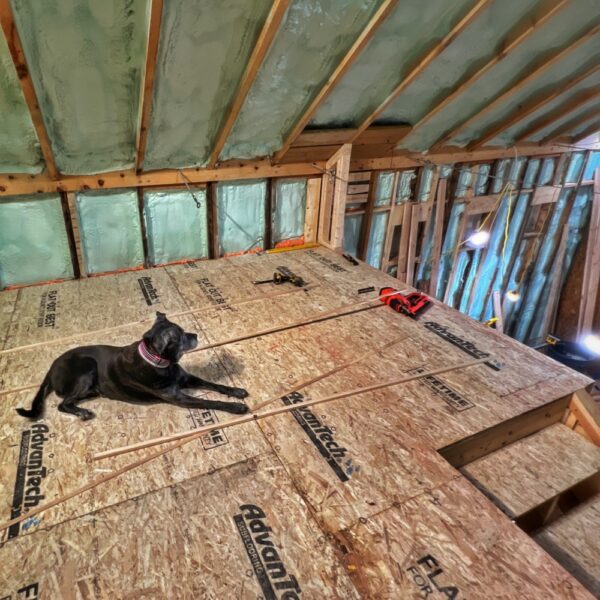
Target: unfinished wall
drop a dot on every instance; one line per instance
(176, 228)
(86, 61)
(203, 50)
(19, 147)
(312, 39)
(289, 212)
(110, 229)
(33, 240)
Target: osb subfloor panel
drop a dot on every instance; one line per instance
(338, 485)
(525, 474)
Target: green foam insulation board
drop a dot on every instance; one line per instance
(406, 34)
(313, 38)
(573, 118)
(33, 240)
(486, 32)
(241, 216)
(203, 50)
(19, 147)
(376, 239)
(352, 229)
(560, 31)
(86, 61)
(572, 93)
(384, 188)
(176, 228)
(289, 210)
(110, 230)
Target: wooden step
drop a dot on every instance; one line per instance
(535, 469)
(574, 541)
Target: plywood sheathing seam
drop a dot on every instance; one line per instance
(383, 455)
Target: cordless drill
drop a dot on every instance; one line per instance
(283, 275)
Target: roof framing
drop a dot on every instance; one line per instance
(13, 40)
(362, 40)
(151, 57)
(517, 36)
(265, 39)
(593, 128)
(572, 124)
(530, 76)
(424, 62)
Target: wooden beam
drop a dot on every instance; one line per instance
(530, 75)
(572, 124)
(367, 220)
(514, 39)
(149, 73)
(587, 412)
(265, 39)
(524, 112)
(438, 234)
(593, 128)
(76, 234)
(18, 57)
(311, 220)
(362, 40)
(566, 108)
(424, 62)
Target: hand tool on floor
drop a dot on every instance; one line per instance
(411, 304)
(283, 275)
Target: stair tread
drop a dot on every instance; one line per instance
(574, 541)
(525, 474)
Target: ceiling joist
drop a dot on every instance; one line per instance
(423, 63)
(515, 38)
(16, 51)
(526, 111)
(362, 40)
(591, 130)
(265, 39)
(572, 124)
(531, 75)
(146, 100)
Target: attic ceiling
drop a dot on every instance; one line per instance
(460, 73)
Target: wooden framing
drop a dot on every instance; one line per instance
(156, 9)
(524, 112)
(561, 111)
(380, 15)
(515, 38)
(575, 122)
(423, 63)
(593, 128)
(311, 221)
(438, 232)
(76, 234)
(265, 39)
(15, 48)
(527, 78)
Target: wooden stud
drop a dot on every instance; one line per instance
(438, 232)
(559, 113)
(140, 194)
(404, 239)
(365, 233)
(497, 303)
(311, 219)
(15, 48)
(503, 98)
(76, 229)
(393, 217)
(524, 112)
(156, 9)
(516, 37)
(424, 62)
(70, 234)
(265, 39)
(362, 40)
(587, 413)
(213, 221)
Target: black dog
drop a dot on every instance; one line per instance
(144, 372)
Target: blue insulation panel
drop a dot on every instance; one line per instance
(176, 228)
(110, 229)
(289, 210)
(376, 239)
(352, 226)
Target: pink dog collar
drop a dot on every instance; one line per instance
(151, 358)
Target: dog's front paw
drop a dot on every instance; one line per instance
(238, 393)
(86, 415)
(239, 408)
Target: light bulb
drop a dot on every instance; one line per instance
(478, 239)
(592, 343)
(513, 295)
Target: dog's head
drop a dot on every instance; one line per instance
(168, 340)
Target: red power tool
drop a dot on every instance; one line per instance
(410, 304)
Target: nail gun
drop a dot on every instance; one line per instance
(410, 304)
(283, 275)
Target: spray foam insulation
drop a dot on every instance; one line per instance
(346, 500)
(86, 61)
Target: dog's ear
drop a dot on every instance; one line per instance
(160, 316)
(157, 340)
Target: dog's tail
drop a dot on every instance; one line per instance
(37, 408)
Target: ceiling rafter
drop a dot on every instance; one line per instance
(358, 46)
(533, 107)
(515, 38)
(571, 124)
(18, 56)
(593, 128)
(148, 86)
(558, 113)
(265, 39)
(424, 62)
(530, 76)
